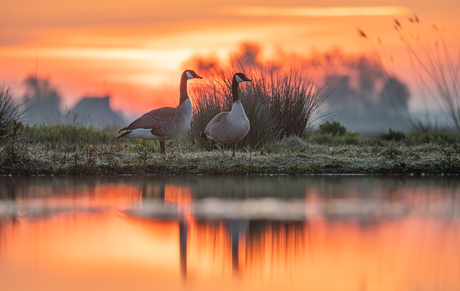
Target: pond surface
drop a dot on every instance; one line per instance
(230, 233)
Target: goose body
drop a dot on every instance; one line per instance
(229, 127)
(166, 122)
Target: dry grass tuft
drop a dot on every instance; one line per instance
(9, 110)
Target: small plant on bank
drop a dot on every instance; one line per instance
(334, 128)
(456, 147)
(11, 152)
(391, 151)
(333, 132)
(393, 135)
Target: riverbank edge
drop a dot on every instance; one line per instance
(319, 160)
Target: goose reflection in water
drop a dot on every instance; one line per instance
(281, 238)
(237, 243)
(401, 235)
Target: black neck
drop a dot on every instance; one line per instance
(183, 88)
(235, 86)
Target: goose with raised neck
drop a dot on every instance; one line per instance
(229, 127)
(166, 122)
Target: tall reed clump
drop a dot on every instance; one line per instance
(10, 110)
(277, 103)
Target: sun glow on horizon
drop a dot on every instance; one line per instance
(159, 58)
(336, 11)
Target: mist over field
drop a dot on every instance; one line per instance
(361, 93)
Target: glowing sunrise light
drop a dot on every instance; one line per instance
(315, 11)
(162, 58)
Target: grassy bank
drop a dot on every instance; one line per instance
(77, 150)
(290, 156)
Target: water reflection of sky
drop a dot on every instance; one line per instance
(357, 233)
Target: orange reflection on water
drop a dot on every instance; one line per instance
(180, 196)
(96, 196)
(108, 250)
(88, 252)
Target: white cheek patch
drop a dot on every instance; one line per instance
(238, 79)
(189, 75)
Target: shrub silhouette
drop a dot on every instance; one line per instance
(277, 105)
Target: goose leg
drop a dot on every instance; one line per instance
(162, 147)
(234, 149)
(222, 149)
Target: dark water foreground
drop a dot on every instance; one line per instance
(230, 233)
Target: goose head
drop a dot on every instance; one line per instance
(190, 74)
(186, 75)
(240, 77)
(237, 79)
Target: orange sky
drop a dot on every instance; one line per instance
(134, 50)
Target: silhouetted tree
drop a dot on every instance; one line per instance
(370, 74)
(41, 100)
(372, 99)
(395, 96)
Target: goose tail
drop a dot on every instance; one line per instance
(202, 133)
(123, 134)
(121, 129)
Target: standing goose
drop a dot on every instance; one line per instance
(229, 127)
(166, 122)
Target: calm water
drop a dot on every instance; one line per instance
(230, 233)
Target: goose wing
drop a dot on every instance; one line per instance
(219, 118)
(158, 120)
